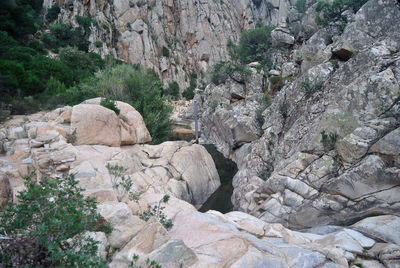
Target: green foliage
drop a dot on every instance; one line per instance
(149, 263)
(98, 44)
(309, 89)
(19, 17)
(165, 51)
(121, 183)
(52, 13)
(276, 84)
(213, 105)
(329, 140)
(85, 23)
(331, 13)
(63, 35)
(301, 6)
(109, 104)
(157, 212)
(253, 46)
(224, 70)
(189, 93)
(173, 90)
(82, 64)
(46, 226)
(265, 174)
(140, 88)
(54, 87)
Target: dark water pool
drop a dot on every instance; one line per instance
(220, 200)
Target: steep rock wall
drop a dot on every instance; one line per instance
(194, 32)
(329, 152)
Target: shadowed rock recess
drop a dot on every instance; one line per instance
(315, 137)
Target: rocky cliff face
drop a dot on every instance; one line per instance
(175, 38)
(326, 150)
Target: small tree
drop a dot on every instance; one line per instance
(46, 226)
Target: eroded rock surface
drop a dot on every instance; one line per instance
(175, 38)
(327, 149)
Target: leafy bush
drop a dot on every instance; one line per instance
(331, 13)
(54, 87)
(188, 93)
(253, 46)
(140, 88)
(265, 174)
(157, 212)
(120, 182)
(149, 263)
(82, 64)
(276, 84)
(224, 70)
(329, 140)
(308, 89)
(301, 6)
(45, 227)
(85, 23)
(110, 104)
(52, 13)
(19, 18)
(62, 35)
(173, 90)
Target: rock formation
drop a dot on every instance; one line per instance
(187, 173)
(326, 149)
(175, 38)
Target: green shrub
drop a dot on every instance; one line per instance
(98, 44)
(62, 35)
(173, 90)
(85, 23)
(329, 140)
(52, 13)
(46, 226)
(301, 6)
(19, 18)
(213, 105)
(224, 70)
(265, 174)
(309, 89)
(120, 182)
(149, 263)
(253, 46)
(189, 93)
(276, 84)
(54, 87)
(81, 64)
(109, 104)
(165, 51)
(134, 85)
(157, 212)
(331, 13)
(44, 68)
